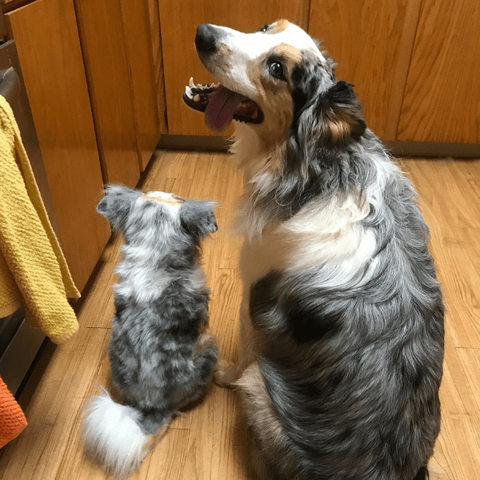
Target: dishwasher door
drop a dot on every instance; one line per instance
(19, 343)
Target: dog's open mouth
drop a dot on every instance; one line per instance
(221, 105)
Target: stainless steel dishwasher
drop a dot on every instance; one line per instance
(19, 343)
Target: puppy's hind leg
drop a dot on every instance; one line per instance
(205, 358)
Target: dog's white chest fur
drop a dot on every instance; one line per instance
(328, 237)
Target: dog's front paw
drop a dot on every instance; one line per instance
(226, 374)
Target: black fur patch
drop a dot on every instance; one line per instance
(292, 303)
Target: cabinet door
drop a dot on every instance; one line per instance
(157, 52)
(442, 95)
(100, 25)
(372, 43)
(138, 31)
(51, 59)
(179, 20)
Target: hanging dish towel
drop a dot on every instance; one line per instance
(12, 419)
(33, 270)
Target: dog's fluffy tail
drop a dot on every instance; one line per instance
(113, 435)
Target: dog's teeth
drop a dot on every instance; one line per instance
(196, 98)
(191, 83)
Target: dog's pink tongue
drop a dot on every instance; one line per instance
(220, 109)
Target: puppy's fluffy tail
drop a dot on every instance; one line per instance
(114, 435)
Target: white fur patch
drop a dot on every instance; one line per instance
(328, 237)
(331, 237)
(112, 435)
(139, 280)
(144, 286)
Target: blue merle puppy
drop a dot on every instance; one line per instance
(161, 358)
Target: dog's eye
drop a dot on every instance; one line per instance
(263, 29)
(276, 70)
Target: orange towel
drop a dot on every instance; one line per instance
(12, 419)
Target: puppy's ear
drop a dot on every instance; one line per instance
(116, 205)
(339, 115)
(198, 218)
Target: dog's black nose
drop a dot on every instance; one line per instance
(206, 39)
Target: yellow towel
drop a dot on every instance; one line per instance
(33, 270)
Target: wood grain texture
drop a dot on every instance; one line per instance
(106, 64)
(206, 443)
(139, 49)
(442, 94)
(51, 59)
(372, 42)
(154, 18)
(179, 21)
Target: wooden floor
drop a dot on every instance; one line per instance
(205, 444)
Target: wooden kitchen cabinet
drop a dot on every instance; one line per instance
(120, 61)
(51, 59)
(100, 23)
(179, 20)
(157, 54)
(147, 111)
(442, 94)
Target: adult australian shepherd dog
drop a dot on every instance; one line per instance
(341, 347)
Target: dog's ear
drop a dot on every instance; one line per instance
(331, 118)
(340, 115)
(198, 218)
(116, 204)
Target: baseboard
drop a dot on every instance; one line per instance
(193, 142)
(405, 149)
(433, 149)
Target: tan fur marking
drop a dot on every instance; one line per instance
(278, 26)
(173, 200)
(275, 101)
(290, 54)
(340, 130)
(259, 408)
